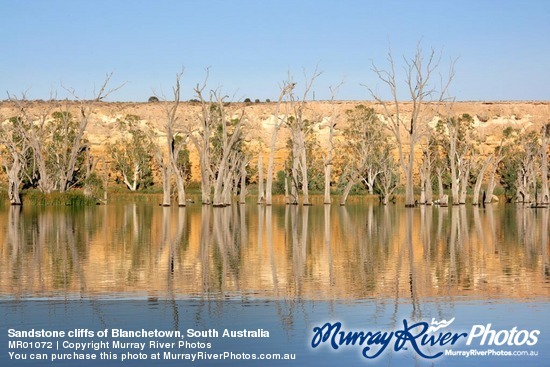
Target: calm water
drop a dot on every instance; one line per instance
(356, 252)
(285, 269)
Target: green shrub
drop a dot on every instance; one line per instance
(68, 198)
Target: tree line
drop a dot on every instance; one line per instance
(47, 149)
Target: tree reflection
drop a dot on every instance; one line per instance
(545, 243)
(328, 244)
(359, 251)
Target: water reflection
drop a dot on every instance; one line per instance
(360, 251)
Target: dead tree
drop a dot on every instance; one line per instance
(244, 163)
(217, 137)
(16, 156)
(545, 142)
(426, 168)
(73, 134)
(330, 151)
(176, 141)
(34, 127)
(458, 146)
(286, 90)
(526, 176)
(388, 179)
(165, 169)
(479, 179)
(439, 164)
(464, 178)
(408, 132)
(518, 168)
(201, 139)
(498, 157)
(453, 138)
(57, 140)
(299, 127)
(228, 142)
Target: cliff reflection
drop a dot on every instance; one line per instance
(360, 251)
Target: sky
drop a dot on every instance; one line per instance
(501, 47)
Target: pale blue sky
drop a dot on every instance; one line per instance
(503, 46)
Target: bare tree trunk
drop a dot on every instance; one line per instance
(440, 183)
(544, 164)
(303, 166)
(491, 184)
(206, 181)
(464, 183)
(429, 190)
(386, 199)
(223, 179)
(228, 143)
(422, 194)
(243, 182)
(131, 184)
(328, 158)
(269, 179)
(14, 179)
(14, 184)
(261, 191)
(174, 147)
(236, 173)
(409, 188)
(226, 193)
(328, 173)
(285, 90)
(455, 185)
(180, 186)
(166, 173)
(426, 170)
(387, 185)
(452, 158)
(218, 185)
(423, 179)
(287, 198)
(105, 180)
(202, 144)
(372, 173)
(387, 181)
(479, 179)
(346, 192)
(294, 179)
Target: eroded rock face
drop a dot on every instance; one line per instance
(490, 118)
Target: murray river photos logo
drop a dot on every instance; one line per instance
(428, 340)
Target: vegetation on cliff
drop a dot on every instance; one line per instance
(46, 147)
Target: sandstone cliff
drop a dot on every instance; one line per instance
(490, 118)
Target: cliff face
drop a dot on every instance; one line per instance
(489, 117)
